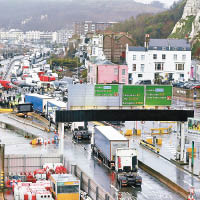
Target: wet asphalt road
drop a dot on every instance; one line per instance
(81, 154)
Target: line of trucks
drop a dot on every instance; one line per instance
(108, 145)
(47, 107)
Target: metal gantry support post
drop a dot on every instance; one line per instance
(180, 152)
(61, 137)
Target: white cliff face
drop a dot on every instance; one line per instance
(192, 8)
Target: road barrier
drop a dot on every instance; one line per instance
(28, 122)
(14, 164)
(5, 110)
(173, 186)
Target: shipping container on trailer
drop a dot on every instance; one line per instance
(39, 101)
(106, 141)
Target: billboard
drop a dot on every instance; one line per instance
(106, 90)
(194, 125)
(132, 95)
(158, 95)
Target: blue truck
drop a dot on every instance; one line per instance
(39, 102)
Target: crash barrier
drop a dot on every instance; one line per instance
(39, 117)
(2, 180)
(2, 125)
(14, 164)
(173, 186)
(1, 196)
(28, 122)
(88, 185)
(5, 110)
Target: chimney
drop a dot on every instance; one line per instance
(187, 38)
(146, 43)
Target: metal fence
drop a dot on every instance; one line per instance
(88, 185)
(28, 163)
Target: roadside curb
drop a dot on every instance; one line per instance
(24, 121)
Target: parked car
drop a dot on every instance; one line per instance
(143, 82)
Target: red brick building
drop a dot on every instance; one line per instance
(114, 46)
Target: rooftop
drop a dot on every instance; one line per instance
(134, 48)
(64, 177)
(111, 133)
(169, 44)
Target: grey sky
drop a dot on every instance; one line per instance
(166, 2)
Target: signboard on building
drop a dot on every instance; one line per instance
(132, 95)
(106, 90)
(158, 95)
(194, 125)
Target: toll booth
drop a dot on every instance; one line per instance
(65, 187)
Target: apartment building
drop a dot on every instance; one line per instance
(159, 59)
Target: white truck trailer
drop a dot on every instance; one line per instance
(112, 148)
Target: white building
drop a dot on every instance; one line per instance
(165, 59)
(32, 35)
(95, 47)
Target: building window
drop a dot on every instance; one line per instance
(134, 57)
(154, 56)
(130, 78)
(115, 71)
(181, 75)
(159, 66)
(134, 67)
(163, 56)
(93, 51)
(142, 57)
(184, 57)
(139, 75)
(142, 68)
(175, 56)
(123, 72)
(123, 80)
(180, 66)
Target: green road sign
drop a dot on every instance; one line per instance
(106, 90)
(132, 95)
(158, 95)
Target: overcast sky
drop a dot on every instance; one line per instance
(166, 2)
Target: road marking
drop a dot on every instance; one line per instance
(145, 195)
(187, 183)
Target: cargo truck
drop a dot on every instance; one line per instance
(113, 150)
(51, 107)
(80, 131)
(39, 102)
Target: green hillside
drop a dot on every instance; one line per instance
(157, 25)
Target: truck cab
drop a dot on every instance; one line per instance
(126, 166)
(80, 132)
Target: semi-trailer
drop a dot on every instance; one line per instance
(39, 102)
(51, 107)
(112, 148)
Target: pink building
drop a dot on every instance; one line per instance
(103, 72)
